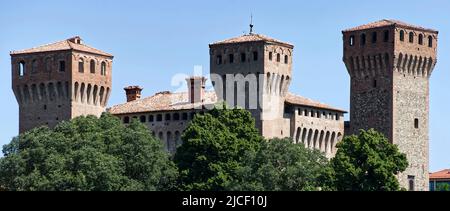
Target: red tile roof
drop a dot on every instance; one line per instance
(444, 174)
(167, 101)
(303, 101)
(68, 44)
(251, 38)
(385, 22)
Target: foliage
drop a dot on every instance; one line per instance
(213, 148)
(367, 162)
(281, 165)
(87, 154)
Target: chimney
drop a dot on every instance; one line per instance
(196, 88)
(76, 40)
(133, 93)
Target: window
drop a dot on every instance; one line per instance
(219, 59)
(286, 59)
(103, 69)
(81, 66)
(168, 117)
(62, 66)
(48, 64)
(151, 118)
(386, 36)
(34, 66)
(306, 113)
(159, 117)
(176, 116)
(300, 112)
(337, 117)
(411, 37)
(411, 182)
(278, 57)
(22, 68)
(313, 114)
(192, 115)
(374, 83)
(143, 119)
(416, 123)
(243, 57)
(420, 39)
(255, 56)
(126, 120)
(430, 41)
(318, 114)
(92, 66)
(351, 41)
(185, 116)
(363, 39)
(231, 58)
(374, 37)
(402, 35)
(270, 56)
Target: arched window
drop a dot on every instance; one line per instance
(81, 66)
(34, 66)
(270, 56)
(126, 120)
(420, 39)
(255, 56)
(386, 36)
(243, 57)
(374, 37)
(286, 59)
(143, 118)
(402, 35)
(411, 37)
(92, 66)
(430, 41)
(185, 116)
(151, 118)
(231, 58)
(159, 117)
(219, 59)
(62, 66)
(103, 68)
(22, 68)
(351, 41)
(176, 116)
(363, 39)
(167, 117)
(48, 64)
(278, 57)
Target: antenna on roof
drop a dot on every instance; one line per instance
(251, 24)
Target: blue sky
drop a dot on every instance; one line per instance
(154, 40)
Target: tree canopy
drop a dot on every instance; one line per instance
(281, 165)
(213, 148)
(87, 153)
(367, 162)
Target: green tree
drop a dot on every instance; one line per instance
(85, 154)
(367, 162)
(281, 165)
(443, 187)
(213, 148)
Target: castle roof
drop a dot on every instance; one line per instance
(444, 174)
(167, 101)
(74, 43)
(251, 38)
(303, 101)
(387, 22)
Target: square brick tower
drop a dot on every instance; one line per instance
(60, 81)
(254, 71)
(390, 63)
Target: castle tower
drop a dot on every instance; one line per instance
(390, 63)
(253, 71)
(60, 81)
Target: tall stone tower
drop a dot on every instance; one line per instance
(60, 81)
(390, 63)
(253, 71)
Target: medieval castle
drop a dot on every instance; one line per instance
(389, 63)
